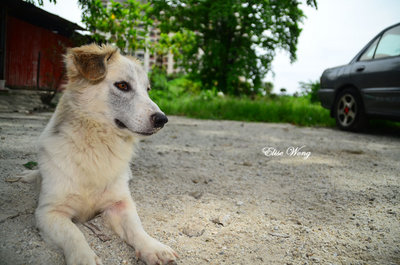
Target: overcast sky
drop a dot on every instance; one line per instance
(331, 36)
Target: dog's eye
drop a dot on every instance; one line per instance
(123, 86)
(148, 88)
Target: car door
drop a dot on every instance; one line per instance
(377, 74)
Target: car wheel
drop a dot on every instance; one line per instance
(349, 111)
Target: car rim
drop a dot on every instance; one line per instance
(346, 110)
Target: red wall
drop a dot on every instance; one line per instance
(24, 43)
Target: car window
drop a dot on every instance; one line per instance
(369, 53)
(389, 44)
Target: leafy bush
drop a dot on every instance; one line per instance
(310, 89)
(182, 96)
(173, 86)
(158, 79)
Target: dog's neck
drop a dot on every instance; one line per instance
(96, 147)
(92, 134)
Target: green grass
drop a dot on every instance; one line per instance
(285, 109)
(184, 97)
(30, 165)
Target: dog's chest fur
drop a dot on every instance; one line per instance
(90, 151)
(99, 152)
(92, 158)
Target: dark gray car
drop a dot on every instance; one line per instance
(369, 86)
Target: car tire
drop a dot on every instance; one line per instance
(349, 111)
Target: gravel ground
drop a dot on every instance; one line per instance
(206, 189)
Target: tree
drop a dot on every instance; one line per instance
(310, 89)
(267, 88)
(40, 2)
(182, 44)
(237, 39)
(125, 24)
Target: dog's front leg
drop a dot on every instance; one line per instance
(57, 226)
(125, 221)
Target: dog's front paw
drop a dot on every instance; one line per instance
(83, 258)
(155, 253)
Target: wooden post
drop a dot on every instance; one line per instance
(38, 72)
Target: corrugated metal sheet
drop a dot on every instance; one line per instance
(34, 56)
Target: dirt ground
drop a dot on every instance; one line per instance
(206, 189)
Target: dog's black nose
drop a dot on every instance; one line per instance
(159, 120)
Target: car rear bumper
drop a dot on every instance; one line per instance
(326, 95)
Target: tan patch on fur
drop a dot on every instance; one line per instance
(89, 61)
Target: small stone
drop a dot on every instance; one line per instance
(239, 203)
(222, 220)
(279, 235)
(193, 230)
(315, 259)
(196, 194)
(390, 211)
(297, 222)
(206, 181)
(13, 179)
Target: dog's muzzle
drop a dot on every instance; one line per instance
(158, 120)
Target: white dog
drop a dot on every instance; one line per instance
(85, 150)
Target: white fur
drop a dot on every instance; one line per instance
(84, 160)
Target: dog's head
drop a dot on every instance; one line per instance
(114, 88)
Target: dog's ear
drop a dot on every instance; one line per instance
(89, 61)
(90, 65)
